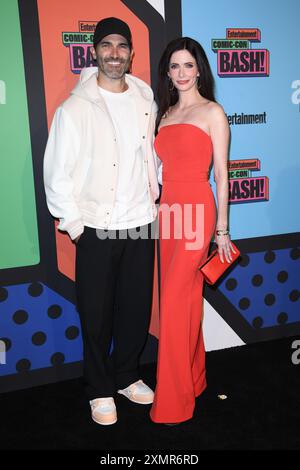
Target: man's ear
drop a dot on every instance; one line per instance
(93, 51)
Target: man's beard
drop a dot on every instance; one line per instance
(112, 71)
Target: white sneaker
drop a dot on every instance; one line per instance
(138, 392)
(104, 410)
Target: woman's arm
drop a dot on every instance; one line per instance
(220, 135)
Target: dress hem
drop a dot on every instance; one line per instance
(186, 417)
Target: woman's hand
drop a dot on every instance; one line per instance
(224, 247)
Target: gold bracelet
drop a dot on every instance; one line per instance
(222, 232)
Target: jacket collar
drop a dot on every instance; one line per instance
(87, 87)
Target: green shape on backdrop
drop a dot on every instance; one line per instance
(19, 245)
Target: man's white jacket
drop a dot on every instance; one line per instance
(82, 155)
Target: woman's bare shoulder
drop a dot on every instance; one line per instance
(216, 114)
(215, 108)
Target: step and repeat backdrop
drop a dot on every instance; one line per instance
(253, 52)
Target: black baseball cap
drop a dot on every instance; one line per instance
(112, 26)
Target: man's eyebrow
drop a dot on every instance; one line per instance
(121, 43)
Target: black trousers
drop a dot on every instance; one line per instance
(114, 282)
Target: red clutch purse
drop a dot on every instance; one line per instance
(212, 268)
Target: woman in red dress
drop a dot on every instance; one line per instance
(192, 134)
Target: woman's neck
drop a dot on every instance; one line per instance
(188, 99)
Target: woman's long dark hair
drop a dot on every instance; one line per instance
(166, 96)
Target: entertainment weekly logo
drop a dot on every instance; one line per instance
(243, 187)
(235, 56)
(79, 44)
(243, 118)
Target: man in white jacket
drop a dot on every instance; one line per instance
(100, 176)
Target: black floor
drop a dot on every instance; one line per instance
(262, 410)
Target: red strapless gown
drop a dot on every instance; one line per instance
(186, 153)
